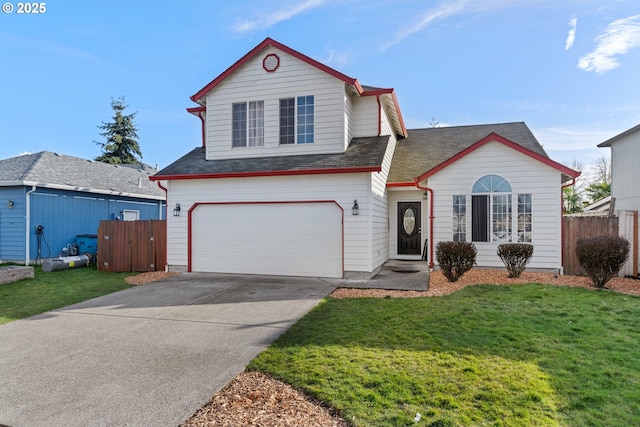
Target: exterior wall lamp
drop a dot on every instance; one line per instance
(10, 204)
(176, 210)
(355, 210)
(425, 195)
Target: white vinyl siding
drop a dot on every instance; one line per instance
(292, 79)
(625, 173)
(365, 116)
(526, 176)
(341, 188)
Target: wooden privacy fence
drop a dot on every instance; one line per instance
(132, 245)
(576, 227)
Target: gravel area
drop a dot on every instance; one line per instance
(253, 399)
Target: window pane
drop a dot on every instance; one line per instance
(287, 121)
(491, 184)
(239, 125)
(501, 219)
(459, 218)
(479, 218)
(524, 218)
(256, 123)
(305, 119)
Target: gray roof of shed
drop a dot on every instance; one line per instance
(361, 153)
(425, 149)
(52, 170)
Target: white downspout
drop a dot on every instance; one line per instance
(28, 225)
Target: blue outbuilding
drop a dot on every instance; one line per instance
(49, 203)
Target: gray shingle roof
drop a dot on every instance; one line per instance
(48, 169)
(424, 149)
(362, 153)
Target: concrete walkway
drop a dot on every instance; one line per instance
(146, 356)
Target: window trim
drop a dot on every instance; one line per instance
(251, 133)
(495, 210)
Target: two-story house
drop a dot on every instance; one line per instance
(304, 171)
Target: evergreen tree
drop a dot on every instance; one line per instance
(121, 136)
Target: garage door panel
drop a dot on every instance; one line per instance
(303, 239)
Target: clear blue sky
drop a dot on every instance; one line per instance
(570, 69)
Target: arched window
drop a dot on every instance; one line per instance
(495, 212)
(491, 219)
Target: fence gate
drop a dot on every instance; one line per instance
(125, 246)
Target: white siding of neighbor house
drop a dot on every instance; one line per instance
(342, 188)
(526, 175)
(293, 78)
(625, 173)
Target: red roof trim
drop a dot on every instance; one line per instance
(270, 42)
(197, 110)
(495, 137)
(401, 184)
(355, 169)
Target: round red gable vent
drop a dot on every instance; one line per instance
(271, 62)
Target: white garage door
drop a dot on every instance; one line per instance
(291, 239)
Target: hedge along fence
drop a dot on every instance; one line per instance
(125, 246)
(576, 227)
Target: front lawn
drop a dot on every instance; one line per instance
(48, 291)
(516, 355)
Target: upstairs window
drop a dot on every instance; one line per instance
(247, 124)
(297, 120)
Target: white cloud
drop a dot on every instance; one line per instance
(443, 11)
(619, 37)
(571, 37)
(269, 19)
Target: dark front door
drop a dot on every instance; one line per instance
(409, 228)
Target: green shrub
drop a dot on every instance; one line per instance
(602, 257)
(455, 258)
(515, 257)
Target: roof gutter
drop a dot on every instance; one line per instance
(353, 169)
(27, 234)
(89, 190)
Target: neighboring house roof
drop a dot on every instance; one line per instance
(52, 170)
(601, 205)
(610, 141)
(426, 151)
(362, 155)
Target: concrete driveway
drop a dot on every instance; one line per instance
(146, 356)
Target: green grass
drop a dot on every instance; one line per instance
(47, 291)
(524, 355)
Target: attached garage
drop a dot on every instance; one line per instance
(277, 238)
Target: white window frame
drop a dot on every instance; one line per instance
(252, 132)
(130, 215)
(303, 112)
